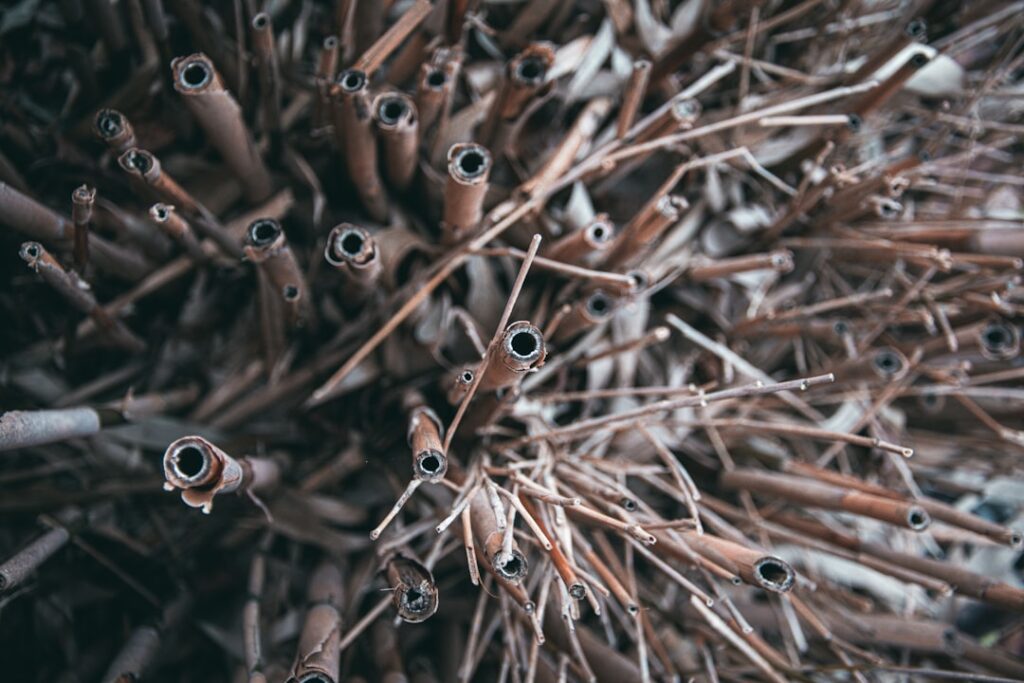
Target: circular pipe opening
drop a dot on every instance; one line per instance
(291, 293)
(466, 377)
(917, 28)
(888, 363)
(628, 504)
(195, 75)
(525, 344)
(472, 162)
(919, 59)
(263, 232)
(998, 338)
(160, 212)
(109, 123)
(261, 21)
(31, 250)
(431, 464)
(854, 122)
(530, 70)
(391, 110)
(578, 591)
(414, 601)
(330, 42)
(352, 80)
(436, 78)
(351, 242)
(774, 574)
(600, 233)
(917, 518)
(140, 161)
(599, 305)
(513, 567)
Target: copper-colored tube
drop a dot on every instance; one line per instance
(633, 97)
(525, 79)
(401, 253)
(197, 80)
(78, 294)
(887, 364)
(488, 534)
(178, 229)
(398, 127)
(326, 66)
(593, 309)
(202, 471)
(353, 251)
(999, 340)
(520, 350)
(318, 657)
(39, 222)
(582, 132)
(82, 201)
(577, 247)
(819, 494)
(267, 69)
(469, 166)
(355, 116)
(646, 227)
(145, 168)
(429, 461)
(436, 81)
(267, 246)
(577, 589)
(678, 114)
(752, 566)
(415, 594)
(114, 129)
(780, 261)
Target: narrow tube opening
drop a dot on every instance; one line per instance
(190, 463)
(263, 232)
(109, 123)
(466, 376)
(160, 212)
(600, 233)
(628, 504)
(195, 75)
(351, 243)
(352, 80)
(391, 110)
(578, 591)
(290, 292)
(139, 160)
(512, 567)
(997, 338)
(524, 344)
(414, 600)
(917, 518)
(774, 574)
(530, 70)
(888, 363)
(431, 464)
(31, 250)
(472, 162)
(261, 21)
(854, 122)
(917, 28)
(919, 59)
(436, 78)
(599, 305)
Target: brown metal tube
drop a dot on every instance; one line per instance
(829, 497)
(488, 535)
(78, 294)
(398, 127)
(114, 129)
(520, 349)
(318, 657)
(353, 251)
(197, 80)
(267, 69)
(434, 86)
(82, 201)
(469, 166)
(525, 78)
(578, 247)
(267, 247)
(414, 592)
(178, 229)
(355, 116)
(648, 225)
(202, 471)
(597, 307)
(145, 168)
(429, 461)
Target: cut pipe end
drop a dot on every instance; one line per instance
(137, 160)
(917, 518)
(195, 73)
(430, 465)
(600, 233)
(889, 364)
(352, 80)
(772, 573)
(530, 70)
(523, 343)
(512, 567)
(393, 109)
(436, 78)
(578, 591)
(350, 244)
(600, 306)
(109, 123)
(263, 231)
(999, 341)
(188, 463)
(469, 162)
(417, 603)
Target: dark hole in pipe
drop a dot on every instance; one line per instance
(467, 376)
(260, 20)
(578, 591)
(917, 518)
(919, 59)
(415, 600)
(391, 110)
(352, 243)
(628, 504)
(854, 121)
(888, 362)
(639, 279)
(598, 305)
(109, 122)
(160, 211)
(330, 42)
(189, 461)
(530, 70)
(774, 574)
(917, 28)
(195, 75)
(32, 250)
(997, 337)
(291, 292)
(141, 162)
(436, 78)
(353, 80)
(263, 232)
(514, 567)
(471, 163)
(523, 344)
